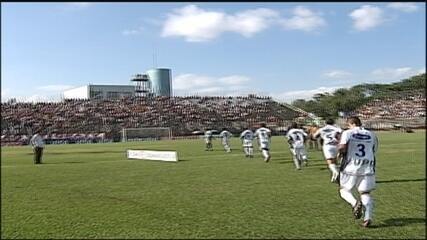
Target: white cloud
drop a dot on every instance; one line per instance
(403, 6)
(33, 98)
(304, 19)
(188, 81)
(54, 88)
(194, 24)
(5, 94)
(133, 31)
(337, 74)
(421, 70)
(37, 98)
(198, 25)
(291, 96)
(234, 80)
(388, 75)
(250, 22)
(49, 93)
(187, 84)
(367, 17)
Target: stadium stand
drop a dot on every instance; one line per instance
(80, 121)
(402, 111)
(410, 106)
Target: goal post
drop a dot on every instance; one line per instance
(146, 134)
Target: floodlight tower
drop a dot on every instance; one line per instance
(142, 85)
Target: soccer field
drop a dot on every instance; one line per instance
(93, 191)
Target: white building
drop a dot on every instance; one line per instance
(156, 82)
(100, 92)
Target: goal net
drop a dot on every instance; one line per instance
(146, 134)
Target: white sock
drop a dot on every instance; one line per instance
(368, 203)
(348, 196)
(333, 168)
(296, 162)
(265, 153)
(251, 151)
(246, 151)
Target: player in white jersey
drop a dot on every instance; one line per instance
(296, 138)
(208, 140)
(263, 134)
(247, 136)
(330, 135)
(358, 147)
(226, 135)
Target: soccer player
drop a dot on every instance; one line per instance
(358, 147)
(330, 135)
(208, 140)
(263, 134)
(296, 138)
(313, 143)
(226, 135)
(247, 136)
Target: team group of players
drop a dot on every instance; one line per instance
(355, 147)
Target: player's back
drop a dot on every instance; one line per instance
(263, 133)
(208, 134)
(247, 135)
(225, 134)
(361, 147)
(329, 134)
(296, 134)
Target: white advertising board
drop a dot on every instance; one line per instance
(169, 156)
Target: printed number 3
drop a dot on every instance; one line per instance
(361, 150)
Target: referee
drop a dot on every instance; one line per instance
(38, 145)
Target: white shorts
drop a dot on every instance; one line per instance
(299, 151)
(247, 143)
(365, 183)
(330, 151)
(298, 144)
(208, 141)
(265, 145)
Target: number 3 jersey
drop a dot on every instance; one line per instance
(361, 148)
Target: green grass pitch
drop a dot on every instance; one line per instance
(93, 191)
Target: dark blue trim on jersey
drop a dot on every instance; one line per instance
(361, 136)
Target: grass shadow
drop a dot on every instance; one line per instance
(81, 152)
(399, 222)
(401, 180)
(73, 162)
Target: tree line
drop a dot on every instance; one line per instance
(347, 100)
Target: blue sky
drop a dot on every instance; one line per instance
(285, 50)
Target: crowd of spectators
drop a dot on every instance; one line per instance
(102, 120)
(397, 107)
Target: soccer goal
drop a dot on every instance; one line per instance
(146, 134)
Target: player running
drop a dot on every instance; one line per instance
(226, 135)
(247, 136)
(330, 135)
(208, 140)
(263, 134)
(358, 147)
(296, 138)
